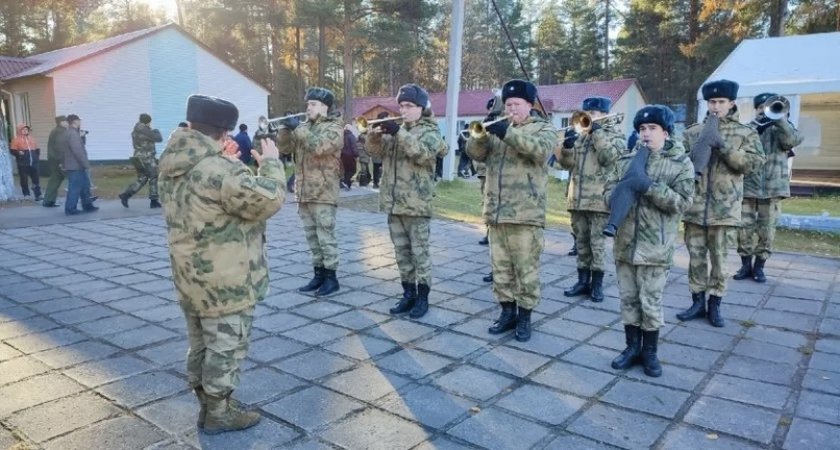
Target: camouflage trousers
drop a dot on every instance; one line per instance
(640, 289)
(410, 236)
(217, 347)
(319, 227)
(147, 172)
(588, 228)
(758, 226)
(515, 251)
(700, 241)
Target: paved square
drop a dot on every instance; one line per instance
(92, 351)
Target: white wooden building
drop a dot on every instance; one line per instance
(806, 70)
(109, 83)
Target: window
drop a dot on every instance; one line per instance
(22, 108)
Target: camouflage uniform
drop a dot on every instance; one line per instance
(215, 211)
(644, 245)
(514, 205)
(590, 163)
(717, 202)
(144, 138)
(408, 165)
(764, 189)
(316, 147)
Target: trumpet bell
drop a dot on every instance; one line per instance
(776, 107)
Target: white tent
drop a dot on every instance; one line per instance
(803, 68)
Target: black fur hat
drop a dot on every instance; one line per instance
(519, 89)
(658, 114)
(761, 98)
(720, 89)
(323, 95)
(602, 104)
(212, 111)
(145, 118)
(414, 94)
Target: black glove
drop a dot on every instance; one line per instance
(710, 134)
(569, 138)
(499, 128)
(595, 126)
(389, 127)
(763, 123)
(291, 123)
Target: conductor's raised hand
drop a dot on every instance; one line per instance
(269, 152)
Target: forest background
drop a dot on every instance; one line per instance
(371, 47)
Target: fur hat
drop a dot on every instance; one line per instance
(602, 104)
(72, 118)
(59, 119)
(320, 94)
(212, 111)
(519, 89)
(414, 94)
(658, 114)
(761, 98)
(145, 118)
(720, 89)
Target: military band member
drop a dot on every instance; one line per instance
(215, 211)
(316, 145)
(764, 190)
(144, 138)
(590, 159)
(514, 151)
(718, 193)
(408, 154)
(644, 243)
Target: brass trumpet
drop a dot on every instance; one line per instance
(273, 123)
(478, 129)
(364, 125)
(582, 122)
(773, 109)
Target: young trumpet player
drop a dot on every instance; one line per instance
(408, 154)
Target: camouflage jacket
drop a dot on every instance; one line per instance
(54, 151)
(215, 211)
(408, 167)
(144, 138)
(514, 191)
(773, 178)
(316, 146)
(719, 192)
(590, 163)
(649, 234)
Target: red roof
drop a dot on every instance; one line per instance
(555, 97)
(10, 65)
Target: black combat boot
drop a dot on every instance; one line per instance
(582, 285)
(632, 354)
(407, 300)
(523, 325)
(597, 291)
(649, 359)
(315, 282)
(697, 308)
(758, 270)
(746, 270)
(488, 278)
(422, 304)
(714, 311)
(124, 199)
(610, 230)
(154, 204)
(484, 241)
(329, 285)
(506, 320)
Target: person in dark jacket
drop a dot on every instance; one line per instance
(76, 166)
(244, 142)
(55, 159)
(349, 153)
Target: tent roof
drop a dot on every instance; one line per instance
(788, 65)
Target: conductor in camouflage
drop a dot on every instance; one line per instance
(718, 193)
(514, 151)
(408, 156)
(764, 190)
(644, 243)
(144, 138)
(215, 210)
(590, 159)
(316, 146)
